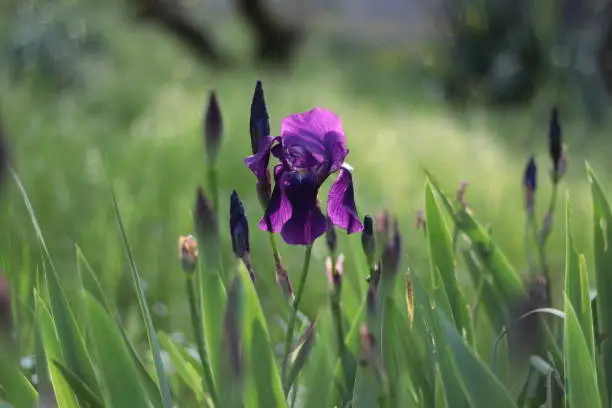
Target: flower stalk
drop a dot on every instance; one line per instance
(294, 311)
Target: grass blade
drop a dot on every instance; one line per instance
(263, 386)
(442, 258)
(602, 239)
(82, 391)
(581, 379)
(184, 368)
(164, 387)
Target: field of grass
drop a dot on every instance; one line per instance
(138, 123)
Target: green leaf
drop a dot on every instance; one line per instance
(576, 283)
(300, 355)
(70, 339)
(482, 388)
(114, 360)
(319, 372)
(505, 277)
(440, 394)
(90, 282)
(63, 393)
(442, 258)
(82, 391)
(580, 373)
(162, 380)
(602, 239)
(263, 383)
(185, 369)
(17, 389)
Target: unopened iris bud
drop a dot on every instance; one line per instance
(335, 272)
(204, 216)
(555, 146)
(331, 238)
(368, 242)
(213, 127)
(530, 184)
(188, 253)
(239, 226)
(392, 253)
(259, 124)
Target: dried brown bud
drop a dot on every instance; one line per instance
(188, 253)
(461, 191)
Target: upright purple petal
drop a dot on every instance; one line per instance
(279, 207)
(315, 140)
(307, 222)
(341, 208)
(258, 162)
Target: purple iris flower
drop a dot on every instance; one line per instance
(311, 147)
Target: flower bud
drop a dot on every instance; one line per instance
(368, 242)
(555, 147)
(264, 190)
(530, 184)
(392, 253)
(204, 216)
(213, 127)
(188, 253)
(259, 123)
(239, 226)
(331, 238)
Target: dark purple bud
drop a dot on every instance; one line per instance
(259, 123)
(531, 174)
(555, 146)
(368, 242)
(392, 253)
(530, 184)
(205, 219)
(239, 226)
(331, 238)
(213, 127)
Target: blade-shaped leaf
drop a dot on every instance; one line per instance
(263, 383)
(162, 380)
(482, 388)
(82, 391)
(186, 370)
(442, 258)
(602, 239)
(319, 371)
(70, 339)
(576, 283)
(61, 389)
(505, 277)
(114, 360)
(581, 379)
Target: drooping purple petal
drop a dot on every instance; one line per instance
(258, 162)
(341, 207)
(307, 222)
(279, 207)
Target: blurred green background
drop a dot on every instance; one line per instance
(90, 94)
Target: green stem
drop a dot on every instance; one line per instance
(337, 316)
(213, 185)
(296, 305)
(543, 238)
(198, 329)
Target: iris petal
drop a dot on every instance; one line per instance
(307, 222)
(258, 162)
(279, 207)
(341, 207)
